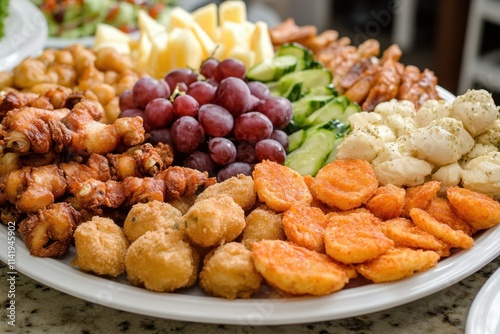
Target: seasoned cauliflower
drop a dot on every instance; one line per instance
(392, 107)
(482, 174)
(431, 110)
(391, 166)
(360, 119)
(442, 142)
(477, 151)
(476, 109)
(490, 136)
(449, 175)
(365, 142)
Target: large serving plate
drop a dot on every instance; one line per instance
(357, 298)
(25, 34)
(484, 313)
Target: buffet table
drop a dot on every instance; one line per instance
(43, 309)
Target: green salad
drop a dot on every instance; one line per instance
(79, 18)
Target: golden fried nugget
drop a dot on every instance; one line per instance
(305, 226)
(297, 270)
(316, 202)
(397, 263)
(478, 210)
(160, 260)
(387, 202)
(240, 188)
(280, 187)
(441, 209)
(229, 272)
(454, 238)
(183, 203)
(100, 246)
(405, 233)
(420, 196)
(214, 221)
(262, 223)
(345, 184)
(355, 238)
(149, 216)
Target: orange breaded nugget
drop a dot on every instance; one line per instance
(355, 238)
(280, 187)
(454, 238)
(478, 210)
(420, 196)
(262, 223)
(100, 246)
(405, 233)
(149, 216)
(441, 209)
(316, 202)
(305, 226)
(397, 263)
(240, 188)
(161, 260)
(345, 184)
(387, 202)
(214, 221)
(229, 272)
(297, 270)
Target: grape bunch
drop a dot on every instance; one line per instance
(214, 119)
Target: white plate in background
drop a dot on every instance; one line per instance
(484, 313)
(26, 32)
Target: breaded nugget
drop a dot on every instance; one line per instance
(280, 187)
(454, 238)
(240, 188)
(297, 270)
(441, 209)
(149, 216)
(100, 246)
(183, 203)
(160, 260)
(262, 223)
(420, 196)
(316, 202)
(478, 210)
(345, 184)
(355, 238)
(305, 226)
(387, 202)
(229, 272)
(397, 263)
(405, 233)
(214, 221)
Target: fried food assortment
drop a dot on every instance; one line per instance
(357, 72)
(104, 237)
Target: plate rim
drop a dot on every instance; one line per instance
(480, 312)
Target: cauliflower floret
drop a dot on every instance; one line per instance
(391, 166)
(431, 110)
(477, 151)
(365, 142)
(482, 174)
(490, 136)
(449, 176)
(403, 108)
(442, 142)
(399, 124)
(476, 109)
(360, 119)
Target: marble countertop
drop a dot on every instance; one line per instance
(40, 309)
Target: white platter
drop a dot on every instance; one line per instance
(59, 43)
(484, 314)
(25, 34)
(191, 305)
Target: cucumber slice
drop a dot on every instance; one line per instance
(295, 140)
(272, 69)
(332, 110)
(308, 79)
(307, 105)
(304, 55)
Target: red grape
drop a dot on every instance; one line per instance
(160, 136)
(202, 91)
(187, 134)
(208, 66)
(234, 169)
(270, 149)
(245, 152)
(234, 95)
(185, 105)
(259, 89)
(147, 89)
(215, 120)
(132, 113)
(278, 109)
(254, 103)
(230, 67)
(221, 150)
(252, 127)
(201, 161)
(158, 113)
(281, 137)
(126, 100)
(176, 76)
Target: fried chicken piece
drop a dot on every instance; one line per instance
(93, 194)
(96, 167)
(288, 32)
(14, 99)
(358, 92)
(422, 90)
(9, 161)
(410, 77)
(182, 181)
(386, 85)
(141, 190)
(49, 232)
(9, 213)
